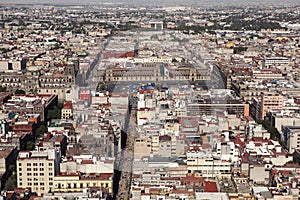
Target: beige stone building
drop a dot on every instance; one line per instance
(142, 147)
(77, 182)
(208, 166)
(36, 170)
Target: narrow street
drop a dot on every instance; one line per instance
(126, 161)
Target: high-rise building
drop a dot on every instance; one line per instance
(270, 101)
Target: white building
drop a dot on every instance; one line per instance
(291, 137)
(281, 61)
(227, 151)
(209, 167)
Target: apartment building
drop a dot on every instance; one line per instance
(267, 74)
(31, 104)
(166, 146)
(211, 106)
(283, 118)
(227, 151)
(209, 167)
(36, 170)
(67, 110)
(260, 173)
(273, 61)
(291, 137)
(142, 147)
(270, 101)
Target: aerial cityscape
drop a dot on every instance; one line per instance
(157, 100)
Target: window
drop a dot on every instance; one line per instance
(50, 174)
(41, 164)
(20, 169)
(35, 164)
(41, 174)
(28, 164)
(35, 169)
(28, 174)
(41, 169)
(20, 174)
(35, 174)
(28, 169)
(20, 164)
(10, 66)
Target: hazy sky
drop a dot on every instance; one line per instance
(156, 2)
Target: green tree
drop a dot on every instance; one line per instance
(30, 145)
(20, 91)
(272, 130)
(50, 114)
(11, 182)
(40, 131)
(271, 40)
(2, 89)
(55, 113)
(211, 32)
(102, 87)
(296, 158)
(33, 91)
(239, 49)
(60, 105)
